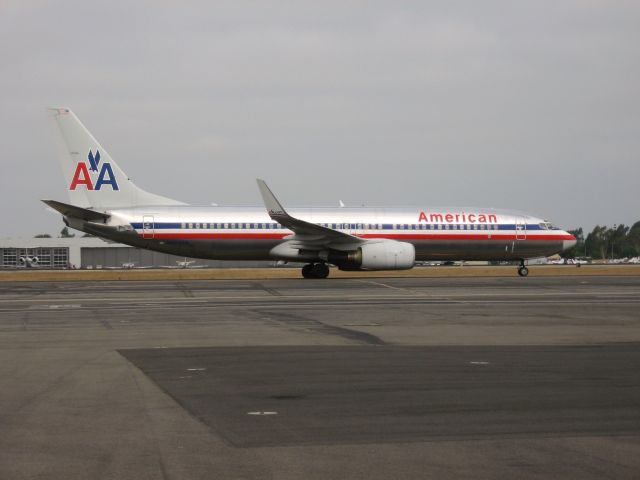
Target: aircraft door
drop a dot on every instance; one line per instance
(148, 226)
(521, 228)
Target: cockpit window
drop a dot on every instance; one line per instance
(547, 226)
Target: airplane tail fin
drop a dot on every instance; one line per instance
(93, 179)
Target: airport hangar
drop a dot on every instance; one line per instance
(94, 253)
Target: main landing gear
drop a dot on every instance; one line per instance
(522, 270)
(315, 270)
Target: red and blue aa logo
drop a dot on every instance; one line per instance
(82, 176)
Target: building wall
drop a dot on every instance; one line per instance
(108, 257)
(36, 257)
(51, 252)
(92, 252)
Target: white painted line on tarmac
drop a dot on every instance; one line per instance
(206, 300)
(479, 363)
(380, 284)
(196, 369)
(262, 413)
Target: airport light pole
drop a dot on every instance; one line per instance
(613, 233)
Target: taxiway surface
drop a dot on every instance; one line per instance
(349, 378)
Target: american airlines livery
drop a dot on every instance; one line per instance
(106, 203)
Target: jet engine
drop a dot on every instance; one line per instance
(28, 261)
(382, 255)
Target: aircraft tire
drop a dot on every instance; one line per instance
(307, 271)
(523, 271)
(315, 270)
(320, 270)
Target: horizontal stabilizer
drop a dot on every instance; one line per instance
(77, 212)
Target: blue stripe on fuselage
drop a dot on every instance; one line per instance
(337, 226)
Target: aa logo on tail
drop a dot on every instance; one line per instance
(83, 177)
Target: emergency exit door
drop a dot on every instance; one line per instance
(147, 226)
(521, 228)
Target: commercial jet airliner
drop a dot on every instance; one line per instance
(103, 201)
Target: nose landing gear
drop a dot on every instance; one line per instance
(315, 270)
(522, 270)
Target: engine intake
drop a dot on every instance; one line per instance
(384, 255)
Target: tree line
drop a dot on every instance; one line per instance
(603, 242)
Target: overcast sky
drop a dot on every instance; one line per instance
(526, 105)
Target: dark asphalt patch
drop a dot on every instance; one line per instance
(271, 396)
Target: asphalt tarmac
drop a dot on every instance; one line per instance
(341, 378)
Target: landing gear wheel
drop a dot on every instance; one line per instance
(320, 270)
(315, 270)
(523, 271)
(307, 271)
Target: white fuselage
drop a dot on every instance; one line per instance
(248, 233)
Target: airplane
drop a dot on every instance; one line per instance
(127, 266)
(104, 202)
(28, 261)
(184, 264)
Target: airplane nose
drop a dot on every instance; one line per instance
(567, 244)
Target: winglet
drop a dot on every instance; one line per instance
(302, 228)
(270, 201)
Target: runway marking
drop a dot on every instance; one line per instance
(196, 369)
(373, 301)
(479, 363)
(262, 413)
(380, 284)
(206, 299)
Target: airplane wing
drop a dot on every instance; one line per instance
(306, 234)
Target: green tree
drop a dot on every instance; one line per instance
(64, 233)
(596, 242)
(631, 242)
(617, 240)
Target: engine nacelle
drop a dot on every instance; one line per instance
(383, 255)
